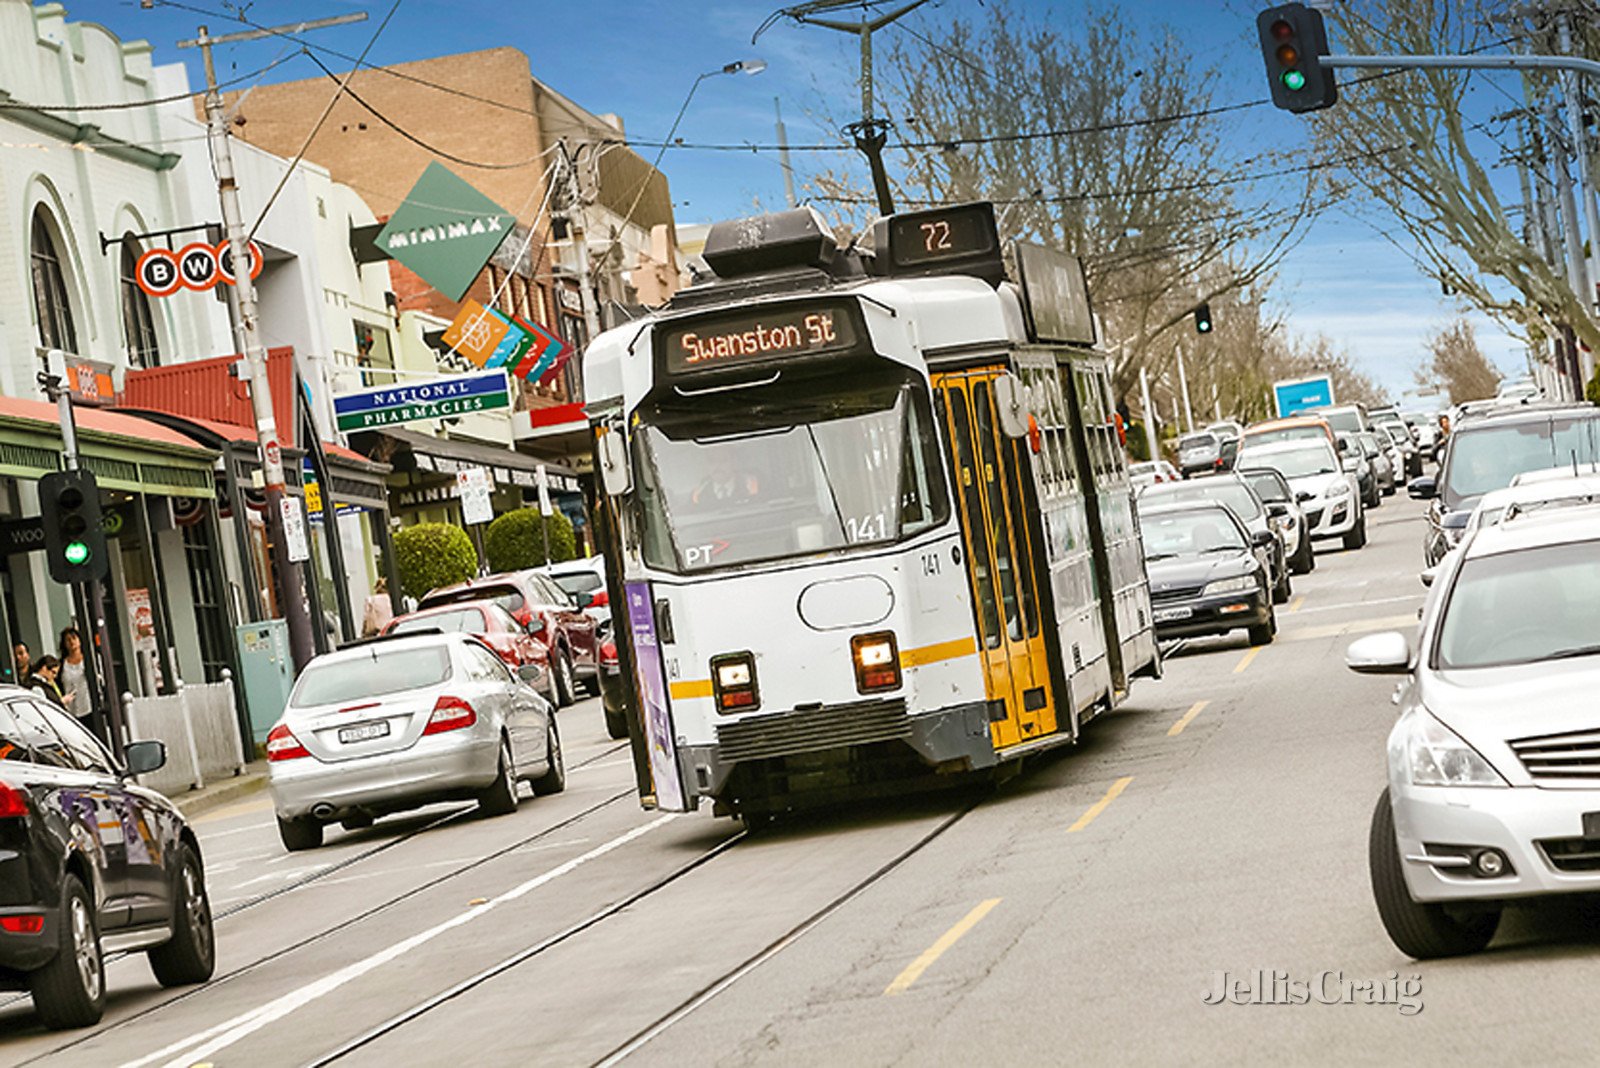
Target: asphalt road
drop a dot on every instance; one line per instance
(1214, 825)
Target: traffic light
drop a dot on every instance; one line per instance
(1293, 42)
(74, 540)
(1202, 319)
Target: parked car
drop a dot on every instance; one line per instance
(498, 629)
(1343, 418)
(584, 581)
(1209, 574)
(1387, 466)
(90, 863)
(1399, 436)
(1294, 428)
(1527, 498)
(1235, 493)
(1494, 792)
(611, 695)
(548, 613)
(1353, 457)
(398, 723)
(1199, 453)
(1486, 453)
(1151, 472)
(1284, 510)
(1329, 495)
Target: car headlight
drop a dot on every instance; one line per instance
(1339, 489)
(1436, 756)
(1242, 584)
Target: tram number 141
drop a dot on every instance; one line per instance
(866, 528)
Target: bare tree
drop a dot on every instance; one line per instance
(1458, 364)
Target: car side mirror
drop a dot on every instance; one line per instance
(611, 454)
(1388, 653)
(1262, 538)
(1303, 495)
(1277, 510)
(140, 757)
(1423, 487)
(1010, 402)
(1429, 575)
(531, 673)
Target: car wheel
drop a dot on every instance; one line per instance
(566, 688)
(70, 991)
(1418, 929)
(1357, 535)
(500, 798)
(1284, 589)
(300, 834)
(191, 955)
(1263, 633)
(1306, 560)
(616, 724)
(554, 780)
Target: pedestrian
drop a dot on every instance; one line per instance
(74, 680)
(379, 612)
(23, 661)
(43, 679)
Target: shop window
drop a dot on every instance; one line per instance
(138, 320)
(56, 330)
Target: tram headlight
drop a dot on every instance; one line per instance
(733, 680)
(877, 661)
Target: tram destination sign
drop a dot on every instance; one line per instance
(759, 335)
(439, 398)
(929, 237)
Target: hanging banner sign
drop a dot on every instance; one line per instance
(225, 263)
(491, 339)
(160, 272)
(156, 272)
(445, 231)
(437, 398)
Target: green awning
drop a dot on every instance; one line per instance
(124, 453)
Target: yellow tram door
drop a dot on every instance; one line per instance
(999, 557)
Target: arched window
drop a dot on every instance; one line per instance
(50, 289)
(138, 323)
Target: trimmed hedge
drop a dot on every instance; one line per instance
(516, 540)
(430, 555)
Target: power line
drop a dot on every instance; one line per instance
(126, 105)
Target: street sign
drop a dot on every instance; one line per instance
(476, 490)
(437, 398)
(1298, 394)
(197, 266)
(445, 231)
(294, 529)
(156, 272)
(544, 491)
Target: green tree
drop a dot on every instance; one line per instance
(430, 555)
(516, 540)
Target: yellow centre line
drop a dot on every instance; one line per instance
(1244, 661)
(1100, 805)
(1298, 601)
(914, 970)
(1177, 728)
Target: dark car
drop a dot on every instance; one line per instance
(1487, 452)
(498, 629)
(1283, 508)
(90, 863)
(548, 613)
(1208, 573)
(1235, 493)
(611, 690)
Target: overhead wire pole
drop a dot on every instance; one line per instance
(281, 509)
(871, 134)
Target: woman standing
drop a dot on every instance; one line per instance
(42, 679)
(74, 681)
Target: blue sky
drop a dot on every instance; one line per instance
(638, 58)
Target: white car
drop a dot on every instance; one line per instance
(584, 580)
(1149, 472)
(1523, 498)
(1494, 763)
(1329, 496)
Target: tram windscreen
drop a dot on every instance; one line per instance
(765, 475)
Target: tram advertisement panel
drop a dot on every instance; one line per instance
(652, 689)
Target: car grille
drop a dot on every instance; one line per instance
(1572, 757)
(857, 723)
(1572, 854)
(1175, 593)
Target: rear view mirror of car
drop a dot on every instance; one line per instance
(1262, 538)
(1388, 653)
(1423, 487)
(1429, 575)
(142, 757)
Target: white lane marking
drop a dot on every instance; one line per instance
(208, 835)
(292, 873)
(1361, 604)
(198, 1047)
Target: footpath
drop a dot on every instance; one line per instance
(226, 791)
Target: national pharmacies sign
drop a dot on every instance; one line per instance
(437, 398)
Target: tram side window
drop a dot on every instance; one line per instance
(1048, 472)
(1060, 431)
(968, 475)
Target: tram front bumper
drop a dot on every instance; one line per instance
(955, 738)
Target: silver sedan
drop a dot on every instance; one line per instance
(1494, 764)
(398, 723)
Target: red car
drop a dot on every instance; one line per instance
(549, 614)
(523, 653)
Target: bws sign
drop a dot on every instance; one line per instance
(161, 272)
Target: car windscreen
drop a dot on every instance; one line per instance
(1523, 607)
(508, 597)
(1269, 486)
(375, 673)
(1314, 458)
(1189, 533)
(1488, 456)
(1285, 433)
(579, 581)
(1196, 443)
(1236, 495)
(1343, 420)
(463, 620)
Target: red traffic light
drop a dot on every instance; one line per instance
(1281, 30)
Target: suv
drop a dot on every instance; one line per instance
(1344, 418)
(90, 863)
(1199, 453)
(548, 613)
(1485, 453)
(584, 580)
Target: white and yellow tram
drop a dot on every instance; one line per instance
(866, 513)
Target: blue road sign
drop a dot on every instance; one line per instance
(1301, 393)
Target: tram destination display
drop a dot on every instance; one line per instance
(758, 335)
(930, 237)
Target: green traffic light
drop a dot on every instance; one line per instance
(76, 553)
(1204, 326)
(1294, 80)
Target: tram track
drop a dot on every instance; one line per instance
(184, 994)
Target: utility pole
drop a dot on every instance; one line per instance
(282, 510)
(1580, 152)
(573, 212)
(1152, 439)
(871, 134)
(1183, 384)
(783, 156)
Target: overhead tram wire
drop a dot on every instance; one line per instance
(129, 105)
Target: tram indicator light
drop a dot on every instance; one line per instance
(877, 661)
(1293, 42)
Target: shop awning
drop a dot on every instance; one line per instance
(449, 455)
(207, 390)
(125, 453)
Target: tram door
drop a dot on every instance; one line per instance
(989, 471)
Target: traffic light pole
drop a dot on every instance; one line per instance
(291, 581)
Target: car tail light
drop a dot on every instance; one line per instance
(877, 661)
(283, 745)
(26, 923)
(601, 599)
(608, 654)
(733, 681)
(450, 714)
(13, 802)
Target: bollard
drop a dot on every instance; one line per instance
(188, 733)
(233, 717)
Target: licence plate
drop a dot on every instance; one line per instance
(1167, 615)
(365, 733)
